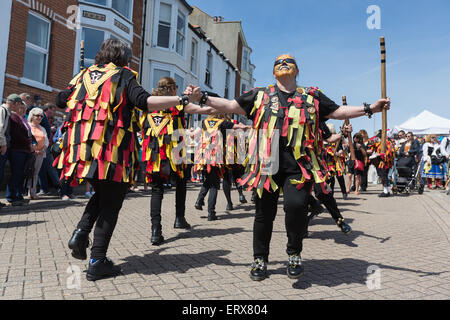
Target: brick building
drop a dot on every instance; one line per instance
(45, 36)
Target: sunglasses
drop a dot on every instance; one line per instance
(39, 116)
(288, 60)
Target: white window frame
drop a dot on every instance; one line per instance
(194, 57)
(109, 6)
(182, 35)
(157, 16)
(209, 71)
(172, 71)
(41, 50)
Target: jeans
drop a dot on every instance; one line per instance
(211, 185)
(445, 169)
(66, 189)
(3, 159)
(15, 187)
(48, 171)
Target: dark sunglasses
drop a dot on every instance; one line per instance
(39, 116)
(288, 60)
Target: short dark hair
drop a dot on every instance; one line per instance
(114, 51)
(48, 106)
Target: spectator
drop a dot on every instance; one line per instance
(5, 137)
(431, 170)
(26, 98)
(47, 170)
(34, 119)
(20, 151)
(445, 152)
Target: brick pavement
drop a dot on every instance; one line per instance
(407, 238)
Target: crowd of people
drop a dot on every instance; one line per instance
(116, 133)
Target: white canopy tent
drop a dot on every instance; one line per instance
(425, 123)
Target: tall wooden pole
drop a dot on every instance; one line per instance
(350, 138)
(82, 56)
(383, 94)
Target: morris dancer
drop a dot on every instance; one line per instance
(289, 115)
(100, 145)
(163, 133)
(212, 158)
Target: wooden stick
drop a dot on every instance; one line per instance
(350, 139)
(82, 55)
(383, 94)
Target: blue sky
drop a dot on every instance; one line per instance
(337, 52)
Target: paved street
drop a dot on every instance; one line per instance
(404, 240)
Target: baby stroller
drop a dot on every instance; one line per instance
(407, 175)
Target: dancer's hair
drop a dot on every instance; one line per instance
(165, 87)
(114, 51)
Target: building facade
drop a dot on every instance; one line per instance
(229, 37)
(175, 48)
(43, 48)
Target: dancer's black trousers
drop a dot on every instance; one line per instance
(158, 195)
(341, 182)
(296, 216)
(103, 210)
(328, 201)
(211, 184)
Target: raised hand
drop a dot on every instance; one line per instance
(380, 105)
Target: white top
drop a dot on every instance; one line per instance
(445, 147)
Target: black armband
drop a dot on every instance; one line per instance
(184, 100)
(367, 110)
(204, 98)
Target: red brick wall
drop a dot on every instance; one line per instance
(138, 14)
(61, 50)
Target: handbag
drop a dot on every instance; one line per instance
(359, 165)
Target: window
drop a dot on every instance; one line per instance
(165, 14)
(194, 50)
(37, 47)
(208, 69)
(123, 7)
(180, 83)
(93, 40)
(100, 2)
(157, 75)
(245, 60)
(227, 85)
(244, 88)
(181, 29)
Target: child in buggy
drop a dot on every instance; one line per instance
(407, 168)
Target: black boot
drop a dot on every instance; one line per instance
(259, 270)
(345, 228)
(230, 207)
(157, 237)
(253, 197)
(181, 223)
(100, 269)
(199, 204)
(78, 243)
(295, 267)
(212, 216)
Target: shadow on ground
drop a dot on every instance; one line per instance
(154, 263)
(333, 273)
(18, 224)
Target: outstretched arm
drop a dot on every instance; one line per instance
(348, 112)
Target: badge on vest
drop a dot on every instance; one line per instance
(158, 122)
(275, 104)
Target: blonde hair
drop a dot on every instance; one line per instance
(429, 137)
(165, 86)
(34, 112)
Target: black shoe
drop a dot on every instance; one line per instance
(384, 195)
(157, 237)
(199, 205)
(181, 223)
(242, 199)
(253, 197)
(212, 216)
(345, 196)
(259, 270)
(78, 243)
(100, 269)
(353, 188)
(345, 228)
(230, 207)
(295, 267)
